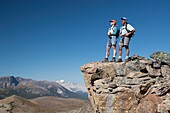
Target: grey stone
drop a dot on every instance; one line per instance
(145, 79)
(165, 70)
(163, 89)
(112, 85)
(109, 103)
(126, 86)
(98, 91)
(157, 64)
(142, 75)
(120, 69)
(135, 66)
(153, 72)
(107, 80)
(98, 86)
(119, 89)
(105, 91)
(105, 86)
(161, 56)
(131, 82)
(119, 80)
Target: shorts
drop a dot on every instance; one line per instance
(124, 41)
(112, 41)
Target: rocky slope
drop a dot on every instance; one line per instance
(138, 86)
(47, 104)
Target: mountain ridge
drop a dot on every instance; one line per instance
(46, 104)
(29, 88)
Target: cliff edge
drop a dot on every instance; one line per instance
(139, 86)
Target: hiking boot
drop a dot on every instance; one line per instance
(127, 60)
(105, 60)
(119, 60)
(113, 59)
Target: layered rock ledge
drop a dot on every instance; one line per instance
(139, 86)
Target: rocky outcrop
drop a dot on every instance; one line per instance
(137, 86)
(5, 108)
(161, 57)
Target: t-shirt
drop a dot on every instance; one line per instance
(112, 30)
(123, 30)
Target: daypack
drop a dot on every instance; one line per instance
(129, 31)
(118, 32)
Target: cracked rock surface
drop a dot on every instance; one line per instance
(137, 86)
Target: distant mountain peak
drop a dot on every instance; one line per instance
(60, 81)
(7, 81)
(74, 87)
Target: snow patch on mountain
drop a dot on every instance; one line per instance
(72, 86)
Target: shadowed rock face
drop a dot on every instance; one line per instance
(138, 86)
(6, 82)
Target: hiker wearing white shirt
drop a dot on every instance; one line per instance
(126, 32)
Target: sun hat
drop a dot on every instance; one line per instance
(112, 20)
(123, 18)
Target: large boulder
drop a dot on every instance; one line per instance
(137, 86)
(162, 57)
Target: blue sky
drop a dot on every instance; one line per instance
(51, 39)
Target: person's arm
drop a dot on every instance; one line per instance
(109, 32)
(130, 33)
(131, 30)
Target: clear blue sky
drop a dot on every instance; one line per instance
(51, 39)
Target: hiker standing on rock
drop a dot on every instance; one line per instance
(112, 40)
(126, 32)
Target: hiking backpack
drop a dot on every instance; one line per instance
(128, 31)
(118, 32)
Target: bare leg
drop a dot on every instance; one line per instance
(114, 50)
(127, 50)
(120, 51)
(107, 51)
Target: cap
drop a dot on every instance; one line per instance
(123, 18)
(112, 20)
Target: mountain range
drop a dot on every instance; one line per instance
(28, 88)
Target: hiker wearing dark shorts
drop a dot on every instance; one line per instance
(112, 40)
(126, 32)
